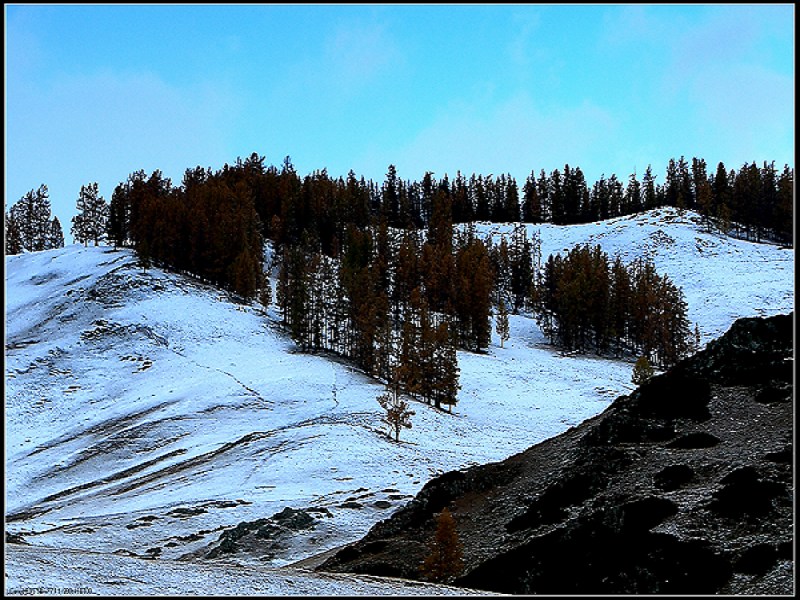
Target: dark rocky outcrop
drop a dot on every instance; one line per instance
(261, 538)
(683, 487)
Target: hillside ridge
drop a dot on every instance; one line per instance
(684, 486)
(148, 413)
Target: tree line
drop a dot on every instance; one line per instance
(753, 202)
(29, 226)
(379, 272)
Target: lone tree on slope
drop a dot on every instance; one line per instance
(445, 560)
(398, 415)
(502, 323)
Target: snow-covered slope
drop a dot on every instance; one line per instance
(58, 572)
(146, 412)
(723, 278)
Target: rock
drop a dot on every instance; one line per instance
(673, 477)
(262, 537)
(186, 512)
(294, 519)
(695, 439)
(15, 538)
(683, 487)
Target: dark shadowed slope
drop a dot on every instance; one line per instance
(685, 486)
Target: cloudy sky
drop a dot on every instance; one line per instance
(95, 92)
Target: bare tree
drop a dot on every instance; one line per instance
(398, 415)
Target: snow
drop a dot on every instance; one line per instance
(46, 571)
(131, 394)
(722, 278)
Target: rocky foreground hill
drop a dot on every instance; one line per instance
(683, 487)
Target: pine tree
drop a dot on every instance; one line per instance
(445, 368)
(672, 183)
(531, 205)
(545, 198)
(784, 207)
(633, 196)
(502, 323)
(31, 215)
(445, 559)
(619, 305)
(511, 201)
(79, 229)
(12, 234)
(56, 238)
(521, 266)
(685, 197)
(616, 196)
(555, 195)
(471, 297)
(243, 275)
(91, 222)
(649, 195)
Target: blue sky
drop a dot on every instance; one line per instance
(96, 92)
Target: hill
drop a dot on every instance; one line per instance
(683, 487)
(147, 413)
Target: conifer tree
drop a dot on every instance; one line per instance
(56, 238)
(616, 196)
(511, 201)
(243, 275)
(649, 195)
(531, 205)
(543, 189)
(784, 208)
(555, 194)
(444, 561)
(444, 368)
(471, 296)
(502, 269)
(12, 234)
(633, 196)
(91, 222)
(521, 266)
(31, 215)
(502, 323)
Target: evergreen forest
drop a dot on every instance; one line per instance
(392, 274)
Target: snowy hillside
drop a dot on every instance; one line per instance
(54, 572)
(722, 278)
(146, 413)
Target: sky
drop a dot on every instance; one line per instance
(95, 92)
